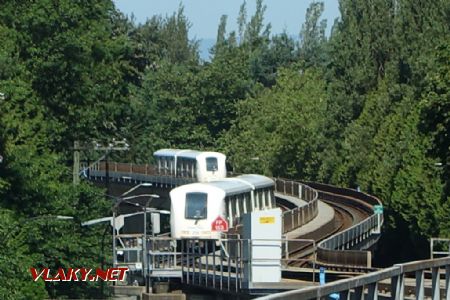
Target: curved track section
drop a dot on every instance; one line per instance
(343, 248)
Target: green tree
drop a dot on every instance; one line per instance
(312, 35)
(281, 127)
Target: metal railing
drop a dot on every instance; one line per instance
(336, 250)
(438, 246)
(301, 215)
(367, 286)
(129, 172)
(226, 264)
(162, 257)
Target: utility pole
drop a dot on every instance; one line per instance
(114, 145)
(76, 162)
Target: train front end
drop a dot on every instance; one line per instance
(194, 207)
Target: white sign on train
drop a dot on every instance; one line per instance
(219, 224)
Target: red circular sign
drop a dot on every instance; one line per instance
(219, 224)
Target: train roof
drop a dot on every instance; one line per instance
(258, 181)
(186, 153)
(232, 186)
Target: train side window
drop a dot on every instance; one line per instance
(228, 207)
(179, 167)
(233, 206)
(196, 206)
(261, 200)
(211, 164)
(238, 206)
(193, 167)
(165, 165)
(245, 203)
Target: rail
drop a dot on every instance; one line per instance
(336, 250)
(395, 276)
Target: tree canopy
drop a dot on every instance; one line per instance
(367, 106)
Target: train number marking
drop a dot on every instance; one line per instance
(219, 224)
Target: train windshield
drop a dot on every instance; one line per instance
(211, 164)
(196, 206)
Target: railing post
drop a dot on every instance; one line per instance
(420, 285)
(292, 219)
(431, 247)
(373, 291)
(435, 284)
(207, 258)
(447, 282)
(344, 295)
(398, 287)
(359, 292)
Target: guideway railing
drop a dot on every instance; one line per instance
(337, 249)
(162, 256)
(367, 286)
(226, 264)
(129, 172)
(301, 215)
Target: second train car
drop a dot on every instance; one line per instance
(202, 166)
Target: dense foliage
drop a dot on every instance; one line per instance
(367, 107)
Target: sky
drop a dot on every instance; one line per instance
(204, 15)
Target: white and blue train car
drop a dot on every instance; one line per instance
(195, 206)
(203, 166)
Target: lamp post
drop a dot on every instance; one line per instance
(146, 262)
(119, 200)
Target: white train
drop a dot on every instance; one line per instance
(201, 165)
(195, 206)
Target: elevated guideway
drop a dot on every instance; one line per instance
(315, 211)
(308, 202)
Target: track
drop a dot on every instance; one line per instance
(347, 214)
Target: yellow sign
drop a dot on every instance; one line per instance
(267, 220)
